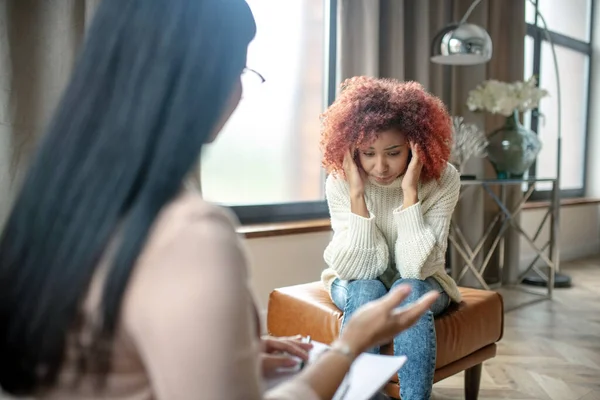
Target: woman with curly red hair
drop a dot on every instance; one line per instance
(391, 194)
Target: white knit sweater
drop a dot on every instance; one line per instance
(413, 240)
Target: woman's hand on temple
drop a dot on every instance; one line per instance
(282, 352)
(378, 322)
(410, 182)
(355, 175)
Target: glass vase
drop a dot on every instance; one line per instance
(512, 148)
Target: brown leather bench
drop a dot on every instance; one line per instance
(467, 333)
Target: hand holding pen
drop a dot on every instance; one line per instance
(283, 352)
(305, 340)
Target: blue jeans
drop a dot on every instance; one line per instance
(418, 342)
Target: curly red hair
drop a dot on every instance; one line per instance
(367, 106)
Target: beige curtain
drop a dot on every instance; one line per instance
(392, 38)
(38, 44)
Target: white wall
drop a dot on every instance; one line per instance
(285, 260)
(579, 232)
(294, 259)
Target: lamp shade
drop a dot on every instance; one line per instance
(461, 44)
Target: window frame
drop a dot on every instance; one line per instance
(299, 211)
(537, 34)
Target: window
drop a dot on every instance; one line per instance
(569, 28)
(266, 163)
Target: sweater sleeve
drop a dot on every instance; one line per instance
(423, 228)
(190, 314)
(358, 249)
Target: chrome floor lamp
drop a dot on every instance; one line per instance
(463, 43)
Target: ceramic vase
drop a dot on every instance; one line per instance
(513, 148)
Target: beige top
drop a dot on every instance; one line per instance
(188, 326)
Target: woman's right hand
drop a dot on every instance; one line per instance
(378, 322)
(355, 175)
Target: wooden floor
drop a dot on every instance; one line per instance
(550, 350)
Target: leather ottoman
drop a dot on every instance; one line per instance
(466, 334)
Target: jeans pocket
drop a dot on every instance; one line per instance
(339, 293)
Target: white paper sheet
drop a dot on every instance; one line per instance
(368, 374)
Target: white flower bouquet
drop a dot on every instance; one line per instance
(468, 141)
(505, 98)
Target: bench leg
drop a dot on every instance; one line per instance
(472, 380)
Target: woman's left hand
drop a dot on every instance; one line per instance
(410, 182)
(281, 353)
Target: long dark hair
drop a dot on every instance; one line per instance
(151, 83)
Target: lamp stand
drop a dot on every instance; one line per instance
(560, 280)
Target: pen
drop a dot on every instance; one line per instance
(304, 340)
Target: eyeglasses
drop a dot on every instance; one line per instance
(254, 73)
(251, 81)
